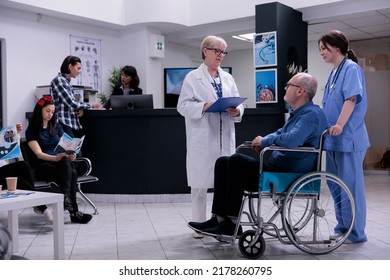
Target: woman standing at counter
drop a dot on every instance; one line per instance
(209, 135)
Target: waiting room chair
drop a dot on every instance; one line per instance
(84, 169)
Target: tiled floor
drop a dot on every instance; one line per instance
(159, 231)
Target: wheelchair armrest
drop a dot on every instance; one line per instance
(280, 148)
(244, 145)
(87, 164)
(298, 149)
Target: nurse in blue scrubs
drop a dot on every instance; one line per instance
(345, 106)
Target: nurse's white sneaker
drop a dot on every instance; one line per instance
(48, 216)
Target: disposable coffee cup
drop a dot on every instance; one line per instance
(11, 183)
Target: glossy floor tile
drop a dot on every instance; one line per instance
(158, 230)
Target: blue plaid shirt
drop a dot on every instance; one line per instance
(66, 103)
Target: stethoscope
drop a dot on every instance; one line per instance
(335, 76)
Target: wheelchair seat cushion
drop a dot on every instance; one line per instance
(276, 182)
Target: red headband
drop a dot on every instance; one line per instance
(46, 98)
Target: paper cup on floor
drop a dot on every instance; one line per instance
(11, 183)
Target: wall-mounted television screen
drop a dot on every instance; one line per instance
(173, 80)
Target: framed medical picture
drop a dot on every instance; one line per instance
(264, 49)
(266, 86)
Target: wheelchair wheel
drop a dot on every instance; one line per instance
(330, 198)
(271, 210)
(252, 244)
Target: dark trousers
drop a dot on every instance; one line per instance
(22, 170)
(234, 175)
(61, 172)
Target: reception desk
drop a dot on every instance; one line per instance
(144, 151)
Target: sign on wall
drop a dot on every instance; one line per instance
(89, 51)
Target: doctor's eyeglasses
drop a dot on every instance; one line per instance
(217, 51)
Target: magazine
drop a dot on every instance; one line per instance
(69, 145)
(9, 143)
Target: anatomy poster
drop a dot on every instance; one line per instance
(88, 50)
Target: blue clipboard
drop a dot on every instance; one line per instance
(225, 102)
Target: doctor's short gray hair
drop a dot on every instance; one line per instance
(210, 42)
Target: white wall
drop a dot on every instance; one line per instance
(183, 12)
(35, 47)
(318, 68)
(33, 52)
(243, 73)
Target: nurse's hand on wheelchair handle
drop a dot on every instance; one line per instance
(335, 130)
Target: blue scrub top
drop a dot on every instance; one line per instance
(348, 83)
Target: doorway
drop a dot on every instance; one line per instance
(374, 57)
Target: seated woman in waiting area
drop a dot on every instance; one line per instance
(43, 135)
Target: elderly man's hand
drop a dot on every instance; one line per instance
(256, 143)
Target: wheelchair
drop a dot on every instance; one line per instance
(297, 209)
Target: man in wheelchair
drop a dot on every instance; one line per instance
(237, 173)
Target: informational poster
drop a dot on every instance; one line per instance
(264, 49)
(89, 51)
(265, 56)
(265, 86)
(9, 143)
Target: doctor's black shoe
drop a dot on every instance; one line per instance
(226, 227)
(201, 226)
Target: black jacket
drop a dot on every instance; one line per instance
(118, 91)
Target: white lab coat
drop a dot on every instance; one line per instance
(209, 135)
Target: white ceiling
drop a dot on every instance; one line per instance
(357, 19)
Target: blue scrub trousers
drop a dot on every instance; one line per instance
(349, 167)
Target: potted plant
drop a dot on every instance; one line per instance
(115, 76)
(102, 97)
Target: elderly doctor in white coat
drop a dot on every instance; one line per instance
(209, 135)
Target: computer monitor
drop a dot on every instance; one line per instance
(173, 81)
(138, 101)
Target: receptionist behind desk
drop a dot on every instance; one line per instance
(129, 84)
